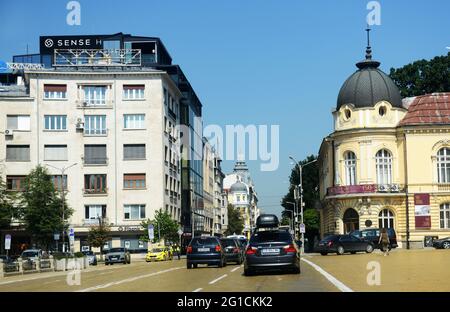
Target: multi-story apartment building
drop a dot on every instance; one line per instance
(208, 186)
(220, 198)
(111, 114)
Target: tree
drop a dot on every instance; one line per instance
(41, 207)
(235, 221)
(99, 235)
(6, 206)
(164, 226)
(423, 76)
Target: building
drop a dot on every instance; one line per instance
(220, 198)
(208, 186)
(114, 112)
(387, 162)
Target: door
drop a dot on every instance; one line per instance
(351, 220)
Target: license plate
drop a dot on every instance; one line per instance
(114, 258)
(203, 249)
(272, 251)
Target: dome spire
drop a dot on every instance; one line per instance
(368, 62)
(369, 48)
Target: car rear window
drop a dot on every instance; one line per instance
(228, 242)
(116, 250)
(201, 241)
(271, 236)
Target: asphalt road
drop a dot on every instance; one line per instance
(168, 276)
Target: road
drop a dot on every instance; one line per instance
(168, 276)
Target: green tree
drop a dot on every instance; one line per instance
(41, 207)
(423, 76)
(164, 226)
(235, 221)
(99, 235)
(6, 206)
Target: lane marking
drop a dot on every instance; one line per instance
(338, 284)
(218, 279)
(197, 290)
(128, 280)
(235, 269)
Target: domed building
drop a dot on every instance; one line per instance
(387, 162)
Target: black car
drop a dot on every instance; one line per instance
(341, 244)
(373, 235)
(233, 250)
(205, 250)
(271, 248)
(442, 243)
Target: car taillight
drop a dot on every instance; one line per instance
(189, 249)
(330, 243)
(251, 250)
(290, 248)
(218, 248)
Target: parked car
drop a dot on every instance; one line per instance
(158, 254)
(31, 254)
(373, 235)
(205, 250)
(233, 250)
(117, 255)
(341, 244)
(270, 248)
(91, 257)
(442, 243)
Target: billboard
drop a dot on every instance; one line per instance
(422, 211)
(49, 43)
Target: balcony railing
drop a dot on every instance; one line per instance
(95, 161)
(365, 188)
(444, 187)
(101, 191)
(97, 57)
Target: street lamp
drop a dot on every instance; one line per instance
(300, 186)
(63, 197)
(292, 215)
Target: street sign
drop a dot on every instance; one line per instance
(151, 232)
(302, 228)
(180, 232)
(56, 236)
(71, 236)
(7, 242)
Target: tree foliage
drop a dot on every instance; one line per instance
(6, 206)
(99, 234)
(423, 76)
(164, 227)
(41, 207)
(235, 221)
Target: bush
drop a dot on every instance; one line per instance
(79, 254)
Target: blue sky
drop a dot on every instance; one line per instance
(253, 62)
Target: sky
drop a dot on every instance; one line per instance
(253, 62)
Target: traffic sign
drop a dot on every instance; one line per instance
(302, 228)
(151, 232)
(180, 232)
(7, 242)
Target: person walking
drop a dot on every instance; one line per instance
(384, 241)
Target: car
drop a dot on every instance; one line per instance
(341, 244)
(91, 257)
(117, 255)
(442, 243)
(233, 250)
(271, 248)
(31, 254)
(158, 254)
(205, 250)
(373, 235)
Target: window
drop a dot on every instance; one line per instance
(134, 181)
(445, 216)
(18, 122)
(95, 154)
(133, 92)
(133, 121)
(95, 211)
(347, 114)
(95, 124)
(94, 95)
(382, 110)
(383, 161)
(95, 183)
(350, 168)
(134, 212)
(443, 165)
(133, 151)
(55, 91)
(15, 183)
(18, 153)
(59, 181)
(386, 219)
(55, 122)
(55, 152)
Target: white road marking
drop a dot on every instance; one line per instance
(339, 285)
(235, 269)
(128, 280)
(197, 290)
(218, 279)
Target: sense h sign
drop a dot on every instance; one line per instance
(48, 44)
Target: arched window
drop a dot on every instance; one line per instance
(443, 165)
(445, 216)
(386, 219)
(350, 168)
(383, 161)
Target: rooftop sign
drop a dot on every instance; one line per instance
(49, 43)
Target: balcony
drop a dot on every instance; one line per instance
(96, 192)
(101, 161)
(365, 189)
(91, 103)
(443, 187)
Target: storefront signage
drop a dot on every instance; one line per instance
(48, 44)
(151, 232)
(352, 189)
(422, 211)
(129, 229)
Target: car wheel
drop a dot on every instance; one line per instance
(195, 266)
(248, 272)
(239, 262)
(446, 245)
(296, 270)
(221, 264)
(340, 250)
(189, 265)
(324, 253)
(369, 248)
(353, 252)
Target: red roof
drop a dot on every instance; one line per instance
(428, 109)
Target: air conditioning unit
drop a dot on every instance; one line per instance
(382, 188)
(395, 188)
(9, 132)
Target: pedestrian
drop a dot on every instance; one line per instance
(384, 242)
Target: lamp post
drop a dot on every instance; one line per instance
(63, 198)
(292, 215)
(300, 192)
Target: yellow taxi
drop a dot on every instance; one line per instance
(158, 254)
